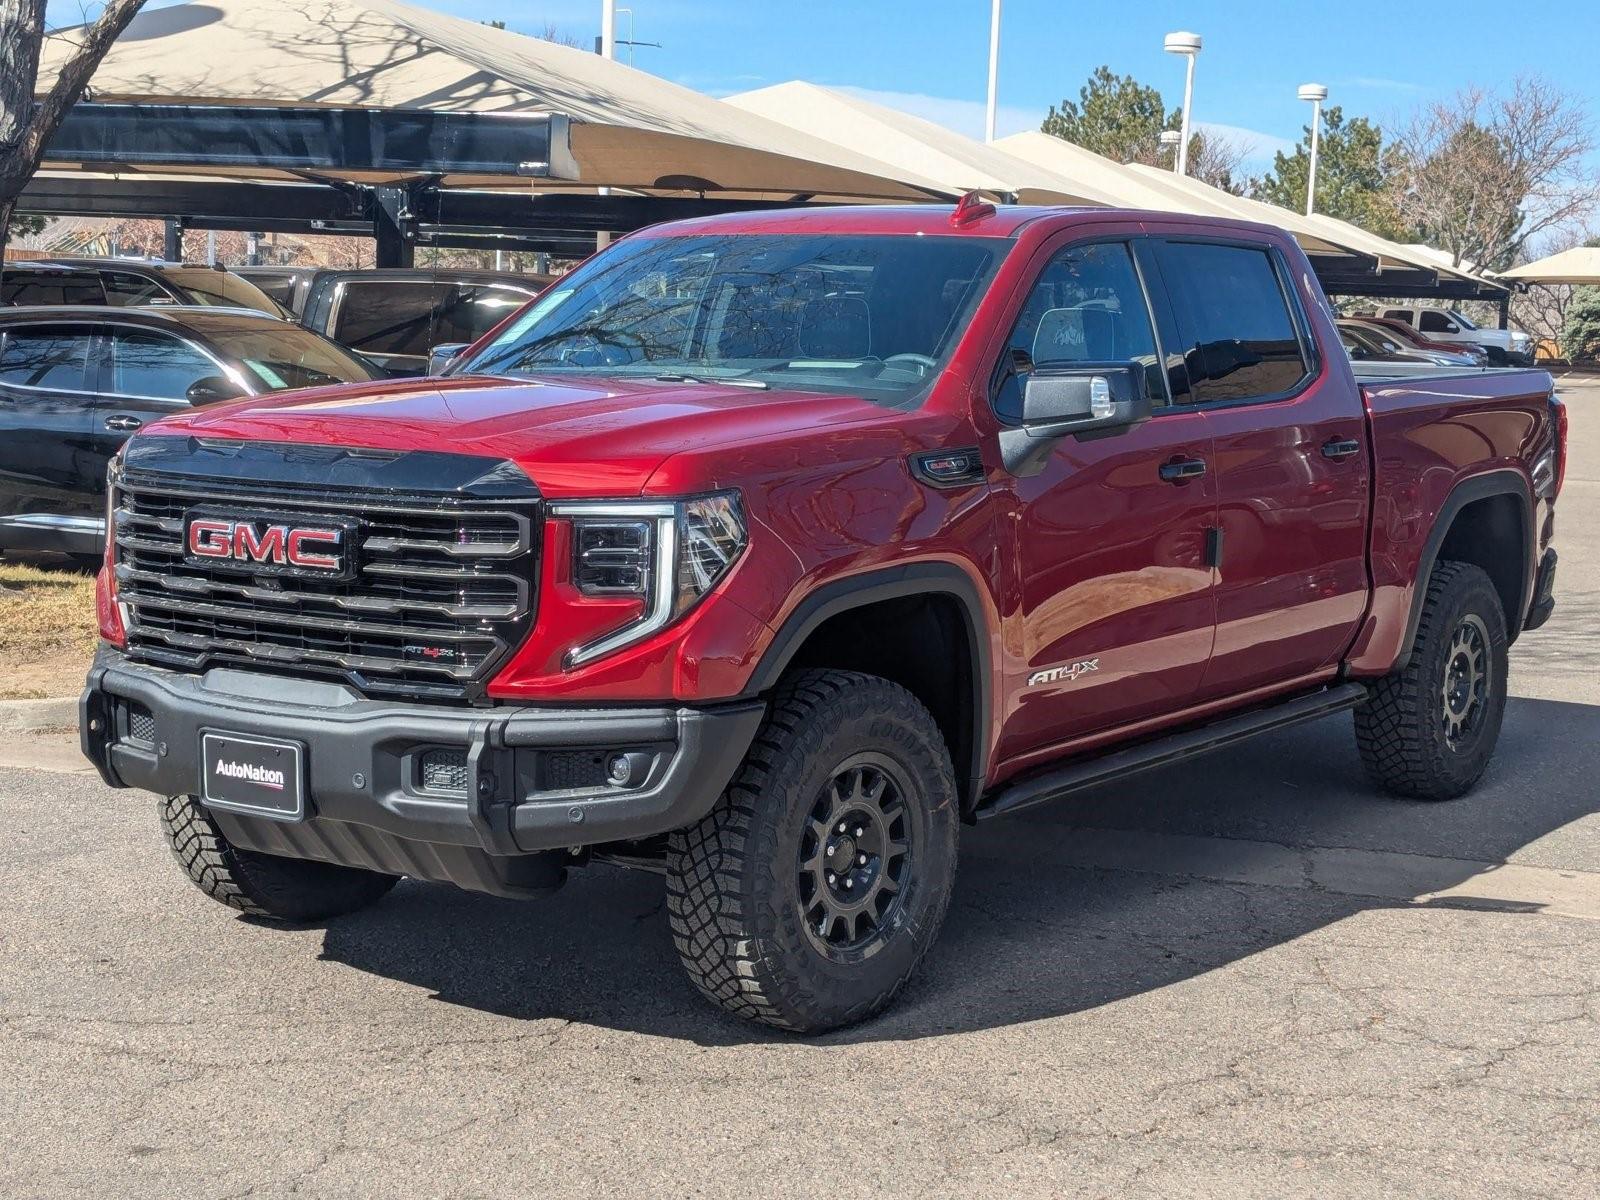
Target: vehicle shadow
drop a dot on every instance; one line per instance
(1026, 938)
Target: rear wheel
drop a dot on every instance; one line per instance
(809, 894)
(1429, 729)
(263, 885)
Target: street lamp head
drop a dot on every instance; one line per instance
(1314, 92)
(1183, 43)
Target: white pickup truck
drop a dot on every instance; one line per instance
(1505, 347)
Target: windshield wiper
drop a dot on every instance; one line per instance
(680, 377)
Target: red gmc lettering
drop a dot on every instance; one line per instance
(268, 546)
(211, 539)
(300, 556)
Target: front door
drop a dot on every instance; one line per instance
(1111, 610)
(46, 458)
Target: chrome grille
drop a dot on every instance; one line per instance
(440, 595)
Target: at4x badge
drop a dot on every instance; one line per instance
(1064, 674)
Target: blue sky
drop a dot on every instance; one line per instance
(929, 56)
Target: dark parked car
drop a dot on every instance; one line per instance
(76, 381)
(1400, 331)
(396, 317)
(129, 283)
(287, 286)
(1366, 344)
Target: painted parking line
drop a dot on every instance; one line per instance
(1383, 874)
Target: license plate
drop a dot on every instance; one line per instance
(252, 775)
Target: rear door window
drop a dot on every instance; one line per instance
(390, 317)
(45, 356)
(1241, 339)
(1436, 322)
(51, 287)
(156, 366)
(471, 310)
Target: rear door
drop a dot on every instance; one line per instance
(1291, 462)
(47, 462)
(1113, 606)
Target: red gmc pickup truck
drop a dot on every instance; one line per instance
(764, 551)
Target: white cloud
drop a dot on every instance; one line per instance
(1258, 147)
(963, 116)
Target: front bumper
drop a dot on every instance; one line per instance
(524, 781)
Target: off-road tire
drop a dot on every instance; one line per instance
(735, 892)
(263, 885)
(1402, 729)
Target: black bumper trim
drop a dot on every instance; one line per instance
(1544, 588)
(361, 760)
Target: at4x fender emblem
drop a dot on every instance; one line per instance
(1064, 674)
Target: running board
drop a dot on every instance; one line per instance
(1190, 743)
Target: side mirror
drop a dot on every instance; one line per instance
(211, 388)
(442, 355)
(1083, 400)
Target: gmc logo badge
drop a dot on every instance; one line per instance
(267, 545)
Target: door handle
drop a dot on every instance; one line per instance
(122, 423)
(1340, 448)
(1183, 469)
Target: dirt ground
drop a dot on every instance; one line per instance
(47, 628)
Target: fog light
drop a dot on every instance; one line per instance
(619, 770)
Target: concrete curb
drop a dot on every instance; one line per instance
(26, 716)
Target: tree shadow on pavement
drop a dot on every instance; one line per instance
(1026, 938)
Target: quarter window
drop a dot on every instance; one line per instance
(1239, 334)
(44, 358)
(156, 366)
(1086, 307)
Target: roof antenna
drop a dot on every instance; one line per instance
(970, 209)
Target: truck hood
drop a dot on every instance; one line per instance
(591, 438)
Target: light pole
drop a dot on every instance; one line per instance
(1188, 45)
(994, 71)
(1315, 93)
(1169, 140)
(608, 28)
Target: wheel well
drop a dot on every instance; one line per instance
(1490, 533)
(921, 642)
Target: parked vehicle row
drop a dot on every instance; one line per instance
(773, 547)
(1503, 347)
(77, 381)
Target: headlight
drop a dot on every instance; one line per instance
(668, 554)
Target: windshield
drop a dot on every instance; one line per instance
(874, 316)
(1462, 320)
(223, 289)
(290, 357)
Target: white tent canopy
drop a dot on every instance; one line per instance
(629, 129)
(916, 145)
(1580, 265)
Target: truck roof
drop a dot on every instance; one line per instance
(1007, 220)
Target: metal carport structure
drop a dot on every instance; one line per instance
(377, 117)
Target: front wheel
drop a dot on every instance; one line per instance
(263, 885)
(1429, 729)
(807, 897)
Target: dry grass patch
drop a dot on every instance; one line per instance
(47, 630)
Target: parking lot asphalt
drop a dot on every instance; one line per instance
(1248, 977)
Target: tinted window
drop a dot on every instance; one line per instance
(44, 357)
(1399, 314)
(1436, 322)
(1239, 336)
(1086, 307)
(123, 289)
(289, 356)
(155, 365)
(217, 288)
(471, 310)
(51, 287)
(383, 317)
(868, 315)
(275, 287)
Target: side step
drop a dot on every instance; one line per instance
(1075, 776)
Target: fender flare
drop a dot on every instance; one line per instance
(1505, 482)
(895, 583)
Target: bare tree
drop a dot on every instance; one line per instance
(1216, 159)
(1543, 308)
(25, 130)
(1481, 175)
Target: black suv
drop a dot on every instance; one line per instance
(397, 316)
(76, 381)
(123, 283)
